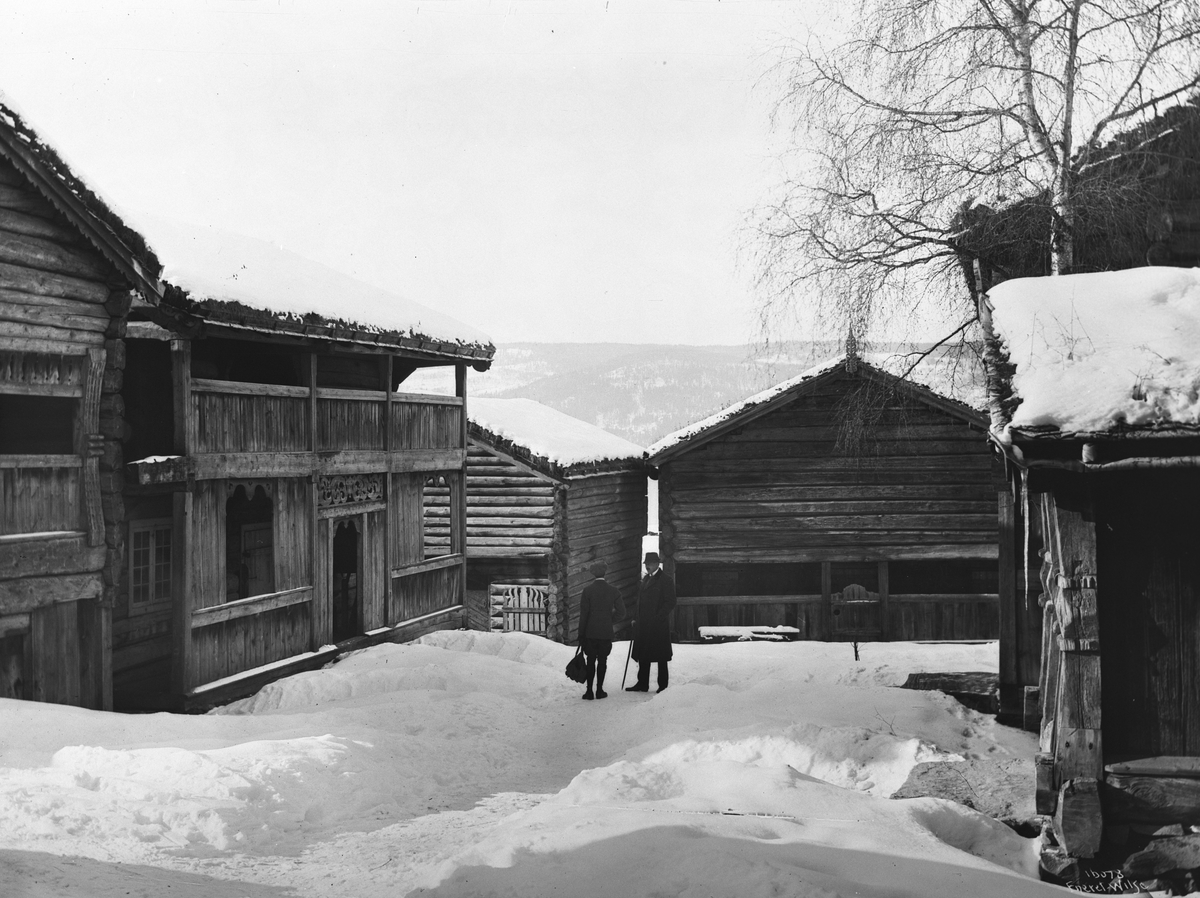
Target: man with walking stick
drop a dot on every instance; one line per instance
(652, 628)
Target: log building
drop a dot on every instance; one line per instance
(1140, 206)
(214, 479)
(547, 496)
(1101, 436)
(278, 469)
(845, 502)
(69, 268)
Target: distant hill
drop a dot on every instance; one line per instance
(643, 392)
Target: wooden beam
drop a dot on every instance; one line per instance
(90, 445)
(181, 381)
(239, 465)
(56, 553)
(45, 343)
(951, 598)
(883, 600)
(243, 388)
(694, 550)
(30, 593)
(748, 600)
(1078, 820)
(181, 591)
(1010, 551)
(458, 492)
(433, 564)
(249, 607)
(827, 599)
(70, 391)
(41, 461)
(1158, 800)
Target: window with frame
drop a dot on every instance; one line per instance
(149, 563)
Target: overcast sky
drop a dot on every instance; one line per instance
(546, 171)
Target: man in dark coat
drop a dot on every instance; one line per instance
(652, 629)
(600, 606)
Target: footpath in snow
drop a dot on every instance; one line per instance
(466, 764)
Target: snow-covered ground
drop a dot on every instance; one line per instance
(466, 764)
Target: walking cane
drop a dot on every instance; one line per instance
(627, 657)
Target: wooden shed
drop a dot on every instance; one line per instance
(1094, 381)
(846, 502)
(69, 268)
(547, 496)
(277, 470)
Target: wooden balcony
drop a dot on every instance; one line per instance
(269, 430)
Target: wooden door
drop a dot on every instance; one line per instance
(857, 614)
(346, 570)
(1149, 602)
(258, 556)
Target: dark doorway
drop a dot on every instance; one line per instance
(1149, 603)
(347, 566)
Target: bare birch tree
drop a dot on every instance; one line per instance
(930, 107)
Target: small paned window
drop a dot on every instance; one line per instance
(149, 563)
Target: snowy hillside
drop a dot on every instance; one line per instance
(465, 764)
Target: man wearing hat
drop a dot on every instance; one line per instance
(652, 629)
(599, 607)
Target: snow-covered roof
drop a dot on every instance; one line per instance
(698, 433)
(553, 442)
(63, 186)
(230, 277)
(1101, 352)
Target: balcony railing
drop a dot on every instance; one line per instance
(232, 416)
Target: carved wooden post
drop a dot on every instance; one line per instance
(91, 446)
(458, 502)
(1078, 753)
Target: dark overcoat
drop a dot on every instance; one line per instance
(600, 606)
(652, 632)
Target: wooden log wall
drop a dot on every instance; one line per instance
(509, 510)
(781, 490)
(62, 320)
(606, 519)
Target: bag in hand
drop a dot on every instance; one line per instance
(577, 667)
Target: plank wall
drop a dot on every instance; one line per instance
(265, 634)
(606, 519)
(55, 307)
(780, 490)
